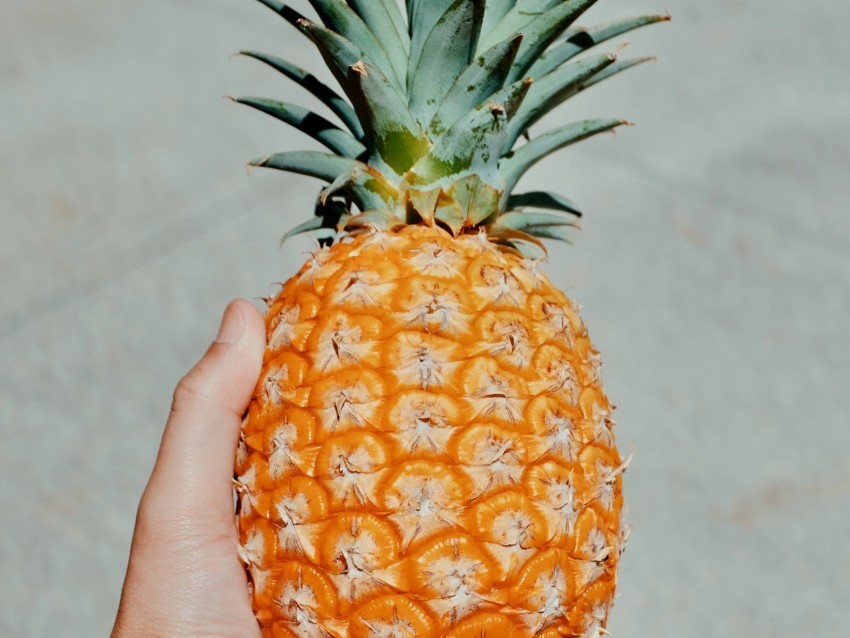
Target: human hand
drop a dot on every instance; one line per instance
(184, 577)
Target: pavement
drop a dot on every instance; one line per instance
(714, 271)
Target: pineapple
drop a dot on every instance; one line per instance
(428, 452)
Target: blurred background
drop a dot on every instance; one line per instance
(714, 271)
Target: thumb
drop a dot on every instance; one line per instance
(191, 480)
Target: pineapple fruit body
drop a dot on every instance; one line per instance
(429, 450)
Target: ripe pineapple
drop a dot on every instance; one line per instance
(429, 450)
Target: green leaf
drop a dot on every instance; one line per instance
(339, 53)
(382, 18)
(327, 96)
(422, 16)
(371, 190)
(447, 51)
(614, 69)
(496, 10)
(399, 22)
(540, 32)
(411, 7)
(393, 136)
(561, 233)
(516, 19)
(514, 165)
(476, 199)
(532, 224)
(542, 199)
(466, 203)
(317, 127)
(474, 143)
(480, 80)
(339, 186)
(551, 90)
(312, 224)
(450, 214)
(318, 164)
(287, 13)
(528, 220)
(579, 40)
(339, 17)
(421, 204)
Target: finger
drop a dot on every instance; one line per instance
(192, 476)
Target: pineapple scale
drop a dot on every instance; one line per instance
(428, 452)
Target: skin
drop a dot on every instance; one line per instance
(184, 577)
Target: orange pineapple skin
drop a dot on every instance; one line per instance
(429, 451)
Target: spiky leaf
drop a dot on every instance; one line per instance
(393, 135)
(311, 83)
(493, 14)
(399, 22)
(553, 89)
(436, 107)
(422, 203)
(317, 127)
(339, 17)
(618, 67)
(516, 19)
(528, 221)
(515, 164)
(481, 79)
(579, 40)
(339, 53)
(312, 224)
(325, 221)
(540, 32)
(467, 203)
(561, 233)
(282, 9)
(543, 199)
(447, 51)
(369, 190)
(422, 15)
(473, 143)
(384, 21)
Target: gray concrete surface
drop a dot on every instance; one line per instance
(714, 268)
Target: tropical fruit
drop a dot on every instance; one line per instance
(429, 450)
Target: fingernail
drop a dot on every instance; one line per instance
(232, 325)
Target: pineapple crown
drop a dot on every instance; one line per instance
(435, 103)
